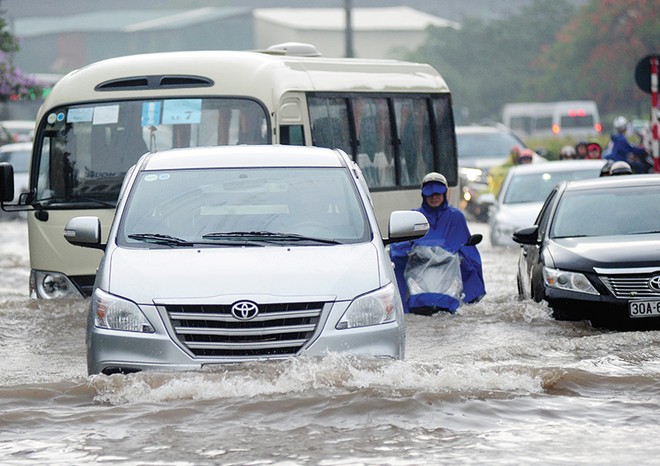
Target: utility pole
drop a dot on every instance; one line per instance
(349, 29)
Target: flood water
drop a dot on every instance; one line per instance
(499, 383)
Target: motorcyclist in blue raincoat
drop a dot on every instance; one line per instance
(621, 150)
(438, 272)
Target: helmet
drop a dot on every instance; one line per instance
(434, 183)
(620, 123)
(567, 152)
(526, 156)
(620, 168)
(605, 170)
(434, 176)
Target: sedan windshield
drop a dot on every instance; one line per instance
(243, 207)
(485, 145)
(535, 187)
(623, 211)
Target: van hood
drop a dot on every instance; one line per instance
(338, 272)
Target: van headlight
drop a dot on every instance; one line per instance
(378, 307)
(51, 285)
(571, 281)
(115, 313)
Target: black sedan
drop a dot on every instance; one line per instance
(594, 252)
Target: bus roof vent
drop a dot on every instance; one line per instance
(138, 83)
(298, 49)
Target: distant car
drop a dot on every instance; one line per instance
(282, 257)
(524, 190)
(594, 252)
(481, 148)
(18, 130)
(18, 155)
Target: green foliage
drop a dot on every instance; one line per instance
(549, 51)
(489, 64)
(7, 41)
(552, 145)
(602, 44)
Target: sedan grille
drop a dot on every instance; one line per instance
(631, 286)
(278, 330)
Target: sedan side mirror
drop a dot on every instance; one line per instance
(406, 225)
(527, 235)
(84, 232)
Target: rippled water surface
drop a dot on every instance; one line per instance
(499, 383)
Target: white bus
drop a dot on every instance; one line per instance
(393, 118)
(571, 118)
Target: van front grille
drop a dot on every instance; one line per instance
(278, 330)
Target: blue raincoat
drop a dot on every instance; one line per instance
(447, 234)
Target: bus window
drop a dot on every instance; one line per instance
(292, 135)
(416, 148)
(374, 141)
(329, 119)
(445, 138)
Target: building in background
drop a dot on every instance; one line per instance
(61, 44)
(377, 32)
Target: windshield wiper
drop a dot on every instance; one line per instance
(644, 232)
(74, 200)
(268, 236)
(157, 238)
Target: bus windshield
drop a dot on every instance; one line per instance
(87, 149)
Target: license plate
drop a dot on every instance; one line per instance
(644, 308)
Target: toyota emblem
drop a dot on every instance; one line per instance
(244, 310)
(654, 283)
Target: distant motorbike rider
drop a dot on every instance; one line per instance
(594, 150)
(498, 173)
(581, 150)
(567, 153)
(444, 242)
(622, 150)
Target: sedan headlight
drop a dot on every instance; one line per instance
(571, 281)
(115, 313)
(378, 307)
(472, 174)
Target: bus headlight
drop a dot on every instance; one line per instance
(378, 307)
(115, 313)
(51, 285)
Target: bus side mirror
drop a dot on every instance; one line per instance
(406, 225)
(84, 232)
(6, 182)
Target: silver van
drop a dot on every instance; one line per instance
(240, 253)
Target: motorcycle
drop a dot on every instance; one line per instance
(436, 278)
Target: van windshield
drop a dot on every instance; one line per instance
(243, 206)
(84, 151)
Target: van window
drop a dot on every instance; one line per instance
(88, 148)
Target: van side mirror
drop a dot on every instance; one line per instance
(84, 232)
(6, 182)
(406, 225)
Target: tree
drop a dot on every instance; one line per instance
(13, 83)
(596, 52)
(489, 64)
